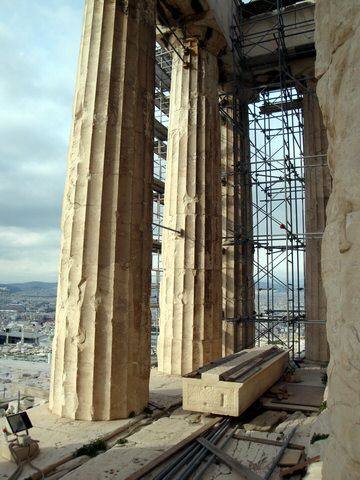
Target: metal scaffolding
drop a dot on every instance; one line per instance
(269, 235)
(276, 227)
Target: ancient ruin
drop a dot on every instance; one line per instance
(213, 152)
(103, 312)
(337, 65)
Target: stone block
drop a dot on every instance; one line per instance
(210, 394)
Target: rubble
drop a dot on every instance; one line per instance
(266, 421)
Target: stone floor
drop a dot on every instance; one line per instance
(149, 437)
(18, 375)
(60, 437)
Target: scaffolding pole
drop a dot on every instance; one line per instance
(271, 178)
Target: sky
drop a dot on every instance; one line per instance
(39, 45)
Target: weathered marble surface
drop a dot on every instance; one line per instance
(338, 71)
(190, 294)
(317, 192)
(101, 350)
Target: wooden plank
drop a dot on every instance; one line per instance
(241, 375)
(297, 394)
(278, 107)
(39, 475)
(160, 131)
(152, 403)
(298, 475)
(244, 472)
(272, 404)
(221, 371)
(290, 458)
(108, 436)
(149, 467)
(267, 441)
(197, 373)
(241, 368)
(250, 358)
(299, 467)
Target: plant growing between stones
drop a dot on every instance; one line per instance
(318, 436)
(92, 449)
(122, 441)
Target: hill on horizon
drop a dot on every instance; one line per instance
(29, 286)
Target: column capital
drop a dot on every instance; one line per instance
(193, 35)
(142, 10)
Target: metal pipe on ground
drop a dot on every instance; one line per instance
(280, 454)
(200, 472)
(196, 461)
(188, 454)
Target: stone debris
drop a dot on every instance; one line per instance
(266, 421)
(293, 420)
(320, 427)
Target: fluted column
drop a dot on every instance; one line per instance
(317, 192)
(228, 251)
(237, 254)
(238, 251)
(190, 295)
(244, 231)
(101, 349)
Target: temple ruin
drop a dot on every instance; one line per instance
(210, 205)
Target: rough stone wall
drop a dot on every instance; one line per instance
(338, 71)
(101, 349)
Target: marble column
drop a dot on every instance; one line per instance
(190, 295)
(246, 307)
(317, 192)
(101, 349)
(237, 255)
(228, 251)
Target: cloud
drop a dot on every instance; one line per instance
(39, 49)
(25, 253)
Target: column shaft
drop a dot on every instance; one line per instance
(317, 192)
(228, 251)
(101, 350)
(244, 230)
(190, 296)
(237, 256)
